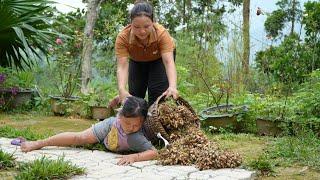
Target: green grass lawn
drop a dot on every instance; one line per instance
(249, 146)
(45, 124)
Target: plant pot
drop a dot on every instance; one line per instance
(100, 112)
(267, 127)
(17, 98)
(224, 120)
(23, 97)
(62, 106)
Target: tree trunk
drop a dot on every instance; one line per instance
(246, 37)
(91, 18)
(184, 13)
(293, 11)
(188, 13)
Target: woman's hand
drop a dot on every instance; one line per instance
(171, 91)
(114, 102)
(127, 159)
(123, 95)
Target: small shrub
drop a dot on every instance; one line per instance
(6, 160)
(45, 168)
(263, 164)
(42, 105)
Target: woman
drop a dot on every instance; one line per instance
(145, 59)
(119, 134)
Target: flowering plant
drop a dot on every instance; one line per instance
(67, 66)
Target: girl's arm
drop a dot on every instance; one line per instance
(142, 156)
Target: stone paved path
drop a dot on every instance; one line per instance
(102, 165)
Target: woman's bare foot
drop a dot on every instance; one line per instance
(31, 145)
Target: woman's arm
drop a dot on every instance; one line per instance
(122, 76)
(142, 156)
(171, 72)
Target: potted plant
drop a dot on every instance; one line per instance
(99, 108)
(15, 88)
(102, 92)
(66, 66)
(221, 115)
(68, 78)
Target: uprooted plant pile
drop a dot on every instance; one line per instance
(188, 144)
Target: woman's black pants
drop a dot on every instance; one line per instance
(149, 76)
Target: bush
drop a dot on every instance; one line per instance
(45, 168)
(6, 160)
(263, 164)
(308, 97)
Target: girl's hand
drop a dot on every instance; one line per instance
(126, 159)
(171, 91)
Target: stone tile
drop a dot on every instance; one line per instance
(142, 176)
(220, 173)
(103, 165)
(143, 164)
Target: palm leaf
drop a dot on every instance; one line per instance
(24, 32)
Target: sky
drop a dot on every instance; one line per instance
(69, 5)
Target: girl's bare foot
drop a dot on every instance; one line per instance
(31, 145)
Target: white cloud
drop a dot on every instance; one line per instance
(69, 5)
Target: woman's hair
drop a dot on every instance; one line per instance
(134, 107)
(141, 8)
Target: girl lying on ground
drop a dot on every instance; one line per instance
(119, 134)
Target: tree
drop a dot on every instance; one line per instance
(293, 59)
(197, 43)
(289, 12)
(104, 20)
(112, 17)
(246, 37)
(275, 23)
(24, 32)
(91, 18)
(311, 20)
